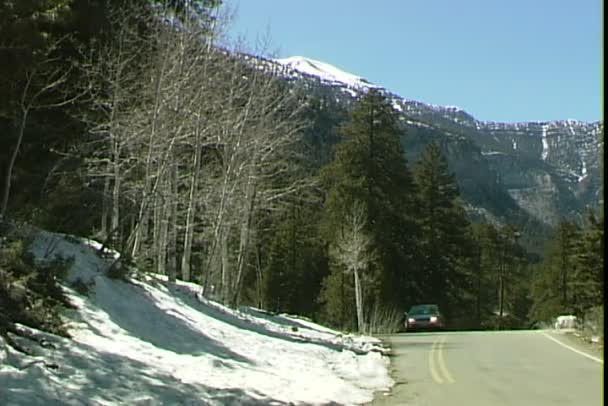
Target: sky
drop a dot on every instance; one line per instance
(154, 342)
(505, 61)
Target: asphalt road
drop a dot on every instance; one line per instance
(514, 368)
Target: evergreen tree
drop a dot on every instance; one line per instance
(588, 284)
(325, 114)
(369, 166)
(337, 299)
(571, 277)
(553, 280)
(444, 240)
(295, 262)
(482, 272)
(500, 279)
(42, 46)
(31, 80)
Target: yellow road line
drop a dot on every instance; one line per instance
(442, 366)
(434, 372)
(437, 365)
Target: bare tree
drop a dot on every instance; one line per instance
(113, 83)
(258, 129)
(352, 249)
(203, 145)
(42, 88)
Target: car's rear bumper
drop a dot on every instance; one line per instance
(423, 325)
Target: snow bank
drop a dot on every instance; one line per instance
(565, 322)
(150, 342)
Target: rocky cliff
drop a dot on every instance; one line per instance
(531, 174)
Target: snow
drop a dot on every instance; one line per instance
(397, 106)
(325, 72)
(545, 152)
(583, 172)
(491, 153)
(152, 342)
(565, 322)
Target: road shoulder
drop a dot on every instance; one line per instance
(574, 339)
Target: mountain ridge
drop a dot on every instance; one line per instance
(531, 173)
(333, 74)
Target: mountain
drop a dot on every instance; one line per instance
(531, 174)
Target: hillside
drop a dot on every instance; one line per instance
(532, 174)
(148, 341)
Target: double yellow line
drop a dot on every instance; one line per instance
(439, 371)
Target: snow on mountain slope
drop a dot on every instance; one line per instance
(325, 72)
(155, 343)
(546, 170)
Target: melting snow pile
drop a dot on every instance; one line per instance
(151, 342)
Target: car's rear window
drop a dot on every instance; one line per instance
(424, 309)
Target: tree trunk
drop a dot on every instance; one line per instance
(158, 238)
(244, 240)
(259, 279)
(105, 209)
(190, 214)
(148, 190)
(501, 302)
(115, 210)
(359, 301)
(13, 159)
(225, 267)
(172, 227)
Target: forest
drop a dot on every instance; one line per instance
(132, 123)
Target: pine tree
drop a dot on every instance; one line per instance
(482, 272)
(294, 261)
(500, 279)
(369, 166)
(445, 235)
(42, 47)
(588, 284)
(553, 280)
(570, 279)
(31, 79)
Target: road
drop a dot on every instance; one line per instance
(503, 368)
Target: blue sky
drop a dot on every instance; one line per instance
(499, 60)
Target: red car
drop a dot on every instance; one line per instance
(424, 317)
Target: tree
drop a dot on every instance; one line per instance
(352, 250)
(444, 239)
(257, 133)
(482, 271)
(553, 280)
(153, 93)
(42, 46)
(33, 75)
(293, 261)
(112, 72)
(588, 278)
(369, 166)
(570, 279)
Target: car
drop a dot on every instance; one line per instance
(424, 317)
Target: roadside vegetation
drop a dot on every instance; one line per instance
(30, 292)
(140, 127)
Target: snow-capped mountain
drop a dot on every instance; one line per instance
(327, 73)
(536, 172)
